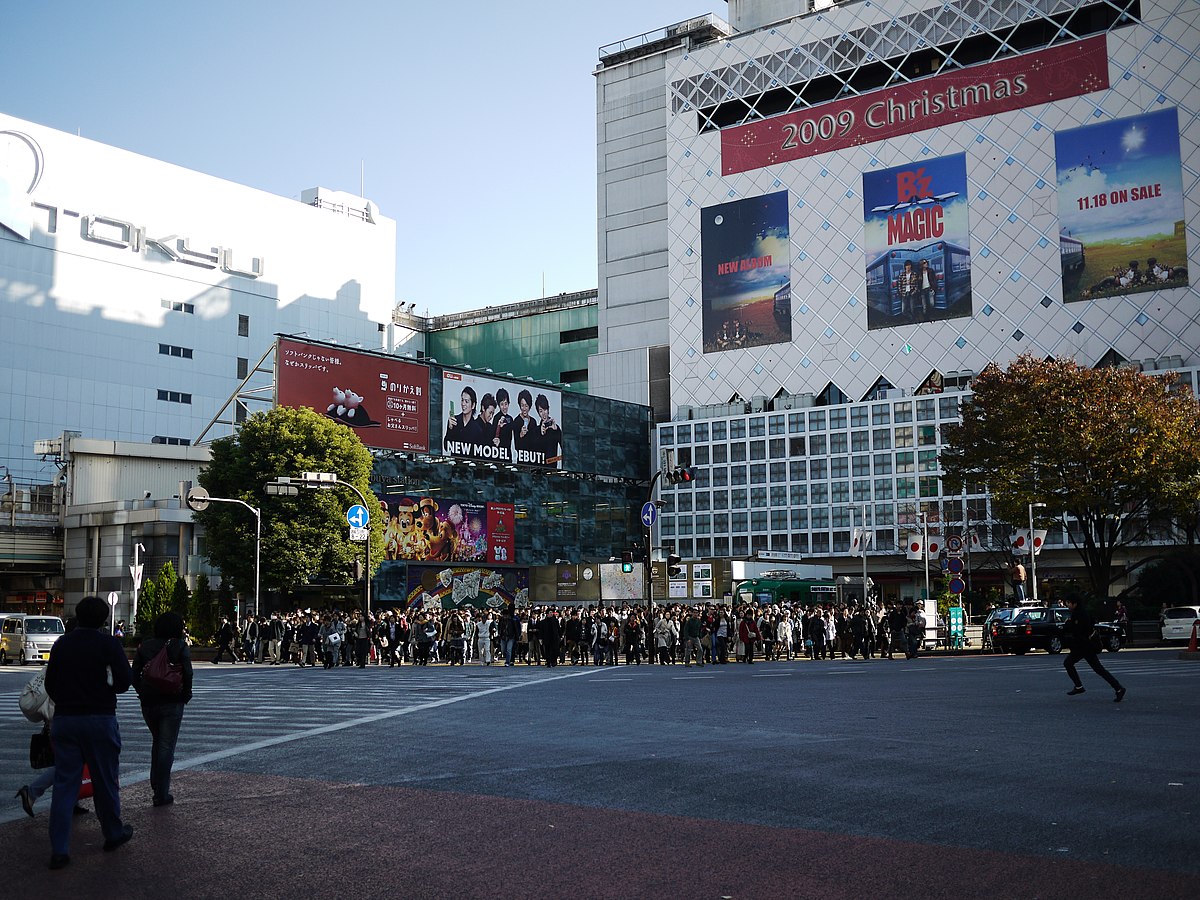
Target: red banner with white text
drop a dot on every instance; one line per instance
(1070, 70)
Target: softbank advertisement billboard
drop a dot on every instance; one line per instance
(385, 400)
(501, 421)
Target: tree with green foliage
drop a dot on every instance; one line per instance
(303, 537)
(203, 615)
(161, 595)
(1113, 449)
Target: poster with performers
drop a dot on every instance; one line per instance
(504, 422)
(917, 242)
(746, 280)
(383, 399)
(446, 530)
(1120, 207)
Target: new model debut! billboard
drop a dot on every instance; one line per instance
(746, 265)
(916, 239)
(501, 421)
(385, 400)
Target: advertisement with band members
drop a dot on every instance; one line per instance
(446, 530)
(746, 278)
(916, 238)
(1120, 207)
(385, 400)
(501, 421)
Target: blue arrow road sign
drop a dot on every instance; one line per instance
(649, 514)
(358, 516)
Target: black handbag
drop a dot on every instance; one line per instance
(41, 755)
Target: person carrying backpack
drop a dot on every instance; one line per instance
(162, 677)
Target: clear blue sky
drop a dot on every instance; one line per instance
(477, 133)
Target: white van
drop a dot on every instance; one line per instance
(1177, 622)
(28, 638)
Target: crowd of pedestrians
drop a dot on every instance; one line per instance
(686, 634)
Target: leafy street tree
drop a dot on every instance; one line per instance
(304, 538)
(1115, 450)
(166, 592)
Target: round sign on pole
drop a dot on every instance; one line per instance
(113, 597)
(357, 516)
(197, 499)
(955, 565)
(954, 543)
(957, 585)
(649, 513)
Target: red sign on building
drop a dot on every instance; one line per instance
(1070, 70)
(385, 400)
(501, 526)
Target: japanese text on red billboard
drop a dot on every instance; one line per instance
(501, 421)
(385, 400)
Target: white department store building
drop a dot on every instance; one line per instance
(771, 176)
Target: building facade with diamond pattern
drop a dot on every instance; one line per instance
(826, 225)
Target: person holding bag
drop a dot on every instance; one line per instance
(162, 677)
(87, 670)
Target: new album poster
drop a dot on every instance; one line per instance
(746, 280)
(1120, 207)
(385, 400)
(917, 242)
(446, 530)
(501, 421)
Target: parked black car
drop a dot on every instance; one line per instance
(1041, 628)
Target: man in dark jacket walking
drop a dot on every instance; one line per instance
(87, 670)
(550, 632)
(1079, 630)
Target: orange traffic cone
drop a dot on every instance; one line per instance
(1192, 642)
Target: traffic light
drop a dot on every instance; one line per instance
(673, 567)
(681, 475)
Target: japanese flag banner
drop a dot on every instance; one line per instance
(975, 543)
(915, 548)
(1039, 538)
(1019, 542)
(860, 539)
(935, 545)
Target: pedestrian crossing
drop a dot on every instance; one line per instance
(237, 710)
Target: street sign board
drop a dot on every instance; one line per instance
(113, 597)
(954, 544)
(649, 513)
(360, 534)
(357, 516)
(957, 585)
(197, 499)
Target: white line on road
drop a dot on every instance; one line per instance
(349, 723)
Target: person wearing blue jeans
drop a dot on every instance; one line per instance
(87, 670)
(162, 708)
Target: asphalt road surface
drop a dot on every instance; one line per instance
(968, 776)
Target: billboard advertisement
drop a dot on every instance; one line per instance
(501, 421)
(385, 400)
(1120, 207)
(1029, 79)
(746, 279)
(446, 530)
(917, 242)
(459, 587)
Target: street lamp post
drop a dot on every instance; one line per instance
(325, 481)
(1033, 550)
(198, 499)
